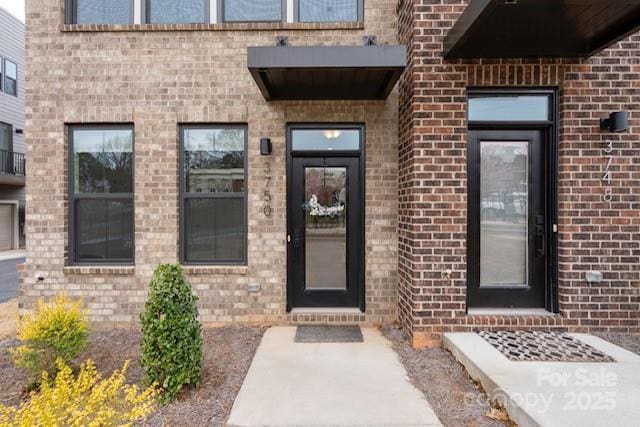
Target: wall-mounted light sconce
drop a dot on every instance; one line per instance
(265, 146)
(617, 122)
(19, 131)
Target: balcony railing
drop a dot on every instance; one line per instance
(12, 163)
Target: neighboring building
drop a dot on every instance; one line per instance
(12, 145)
(296, 184)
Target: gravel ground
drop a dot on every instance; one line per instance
(626, 341)
(13, 380)
(8, 314)
(448, 388)
(228, 352)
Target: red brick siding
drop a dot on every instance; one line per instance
(433, 217)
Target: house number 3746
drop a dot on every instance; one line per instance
(606, 177)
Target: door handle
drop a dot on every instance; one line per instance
(540, 236)
(296, 241)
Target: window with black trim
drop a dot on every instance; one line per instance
(330, 10)
(99, 11)
(253, 10)
(213, 196)
(101, 193)
(1, 72)
(177, 12)
(10, 77)
(6, 137)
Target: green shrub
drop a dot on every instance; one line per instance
(56, 330)
(172, 342)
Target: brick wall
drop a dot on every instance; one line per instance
(157, 77)
(433, 200)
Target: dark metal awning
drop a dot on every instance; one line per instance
(540, 28)
(326, 72)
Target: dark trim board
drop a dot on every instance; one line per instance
(361, 154)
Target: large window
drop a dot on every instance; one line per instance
(6, 137)
(253, 10)
(329, 10)
(6, 148)
(177, 12)
(101, 194)
(213, 194)
(100, 11)
(10, 77)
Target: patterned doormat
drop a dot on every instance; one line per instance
(543, 347)
(327, 334)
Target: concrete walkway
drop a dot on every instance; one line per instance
(328, 384)
(556, 393)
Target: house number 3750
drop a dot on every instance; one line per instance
(266, 195)
(606, 177)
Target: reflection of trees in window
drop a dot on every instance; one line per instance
(214, 224)
(102, 228)
(215, 163)
(326, 183)
(503, 182)
(108, 171)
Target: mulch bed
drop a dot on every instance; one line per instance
(228, 352)
(454, 397)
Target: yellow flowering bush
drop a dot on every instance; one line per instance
(85, 400)
(56, 330)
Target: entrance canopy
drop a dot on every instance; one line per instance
(540, 28)
(326, 72)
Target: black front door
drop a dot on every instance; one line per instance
(325, 231)
(507, 229)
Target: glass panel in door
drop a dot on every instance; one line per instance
(325, 213)
(504, 207)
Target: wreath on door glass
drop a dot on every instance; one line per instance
(316, 209)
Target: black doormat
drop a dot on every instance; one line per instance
(543, 347)
(328, 334)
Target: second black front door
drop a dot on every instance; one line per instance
(507, 230)
(325, 231)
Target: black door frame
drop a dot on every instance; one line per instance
(551, 136)
(361, 202)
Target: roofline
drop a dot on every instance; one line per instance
(14, 17)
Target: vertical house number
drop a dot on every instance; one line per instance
(606, 177)
(266, 195)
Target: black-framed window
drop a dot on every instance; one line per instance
(213, 195)
(505, 106)
(99, 11)
(253, 10)
(6, 148)
(1, 72)
(101, 193)
(177, 12)
(6, 137)
(329, 10)
(10, 77)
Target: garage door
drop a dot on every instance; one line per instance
(6, 227)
